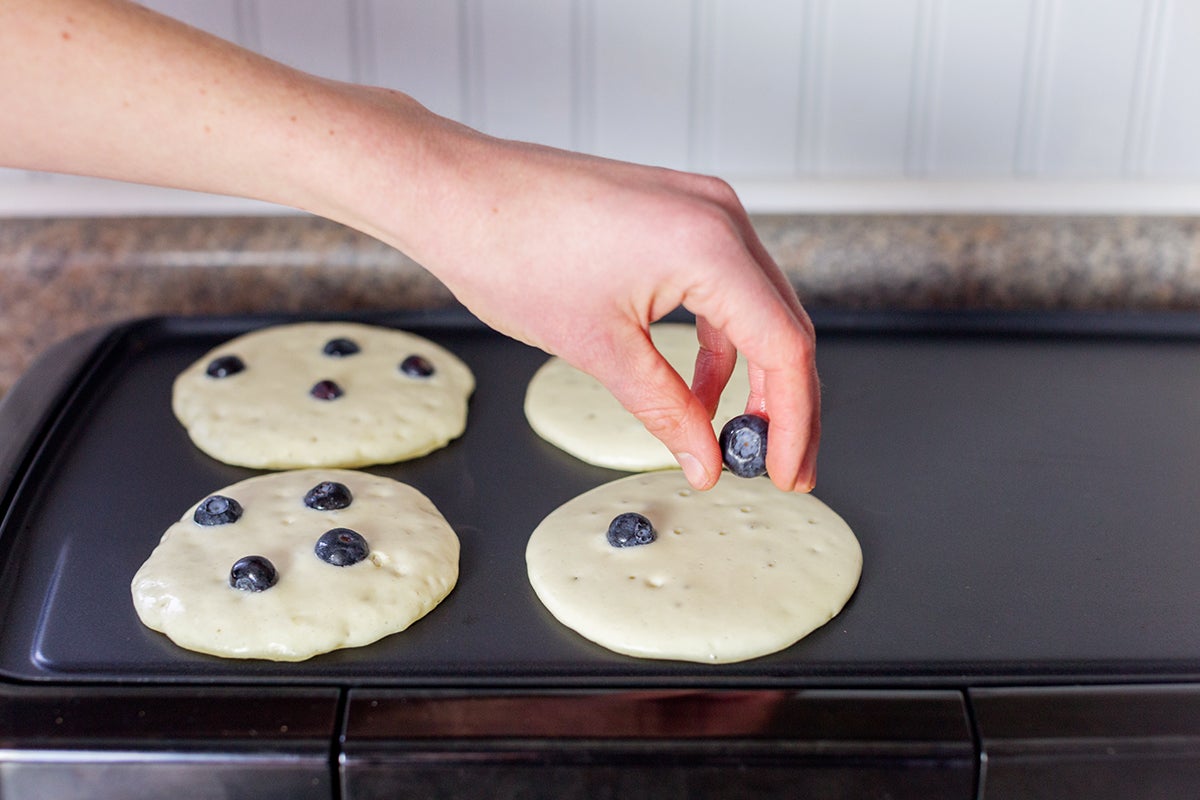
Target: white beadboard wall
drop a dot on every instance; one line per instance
(1078, 106)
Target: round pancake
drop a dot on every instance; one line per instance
(737, 572)
(573, 411)
(266, 417)
(183, 588)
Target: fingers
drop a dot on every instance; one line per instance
(784, 386)
(714, 364)
(650, 389)
(776, 337)
(794, 414)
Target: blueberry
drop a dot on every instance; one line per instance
(341, 547)
(217, 510)
(416, 367)
(340, 347)
(630, 529)
(744, 445)
(328, 496)
(253, 574)
(224, 366)
(326, 390)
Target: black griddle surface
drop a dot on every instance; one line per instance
(1024, 488)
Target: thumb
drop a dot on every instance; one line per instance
(648, 387)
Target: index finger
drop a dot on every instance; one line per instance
(780, 349)
(715, 362)
(789, 397)
(770, 327)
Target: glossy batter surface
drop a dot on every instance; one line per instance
(737, 572)
(573, 411)
(183, 588)
(265, 416)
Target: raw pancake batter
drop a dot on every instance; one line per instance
(572, 410)
(401, 562)
(736, 572)
(323, 394)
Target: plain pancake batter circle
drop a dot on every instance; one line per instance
(573, 411)
(264, 416)
(737, 572)
(183, 590)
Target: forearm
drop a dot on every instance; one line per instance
(111, 89)
(568, 252)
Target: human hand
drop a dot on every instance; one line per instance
(574, 254)
(578, 255)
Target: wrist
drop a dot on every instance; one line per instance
(378, 161)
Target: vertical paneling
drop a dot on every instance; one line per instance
(314, 35)
(769, 90)
(642, 100)
(976, 107)
(583, 75)
(524, 67)
(1174, 138)
(1034, 80)
(416, 47)
(867, 75)
(756, 58)
(922, 91)
(218, 17)
(1146, 88)
(811, 102)
(1089, 89)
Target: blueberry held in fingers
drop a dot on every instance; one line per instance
(743, 443)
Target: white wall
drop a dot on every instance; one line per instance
(842, 105)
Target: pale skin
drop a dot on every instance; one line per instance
(571, 253)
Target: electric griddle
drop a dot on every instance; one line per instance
(1025, 487)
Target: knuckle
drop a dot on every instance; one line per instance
(717, 190)
(708, 229)
(805, 348)
(663, 422)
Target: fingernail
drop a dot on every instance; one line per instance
(693, 470)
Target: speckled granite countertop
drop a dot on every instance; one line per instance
(58, 277)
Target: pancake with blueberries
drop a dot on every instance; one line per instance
(648, 567)
(288, 565)
(323, 394)
(574, 412)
